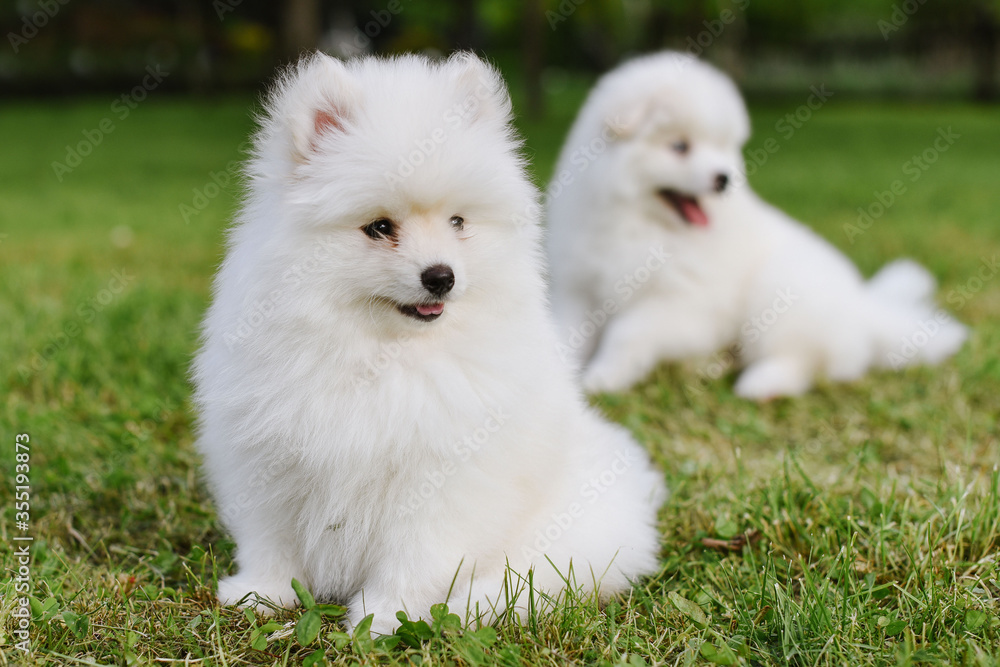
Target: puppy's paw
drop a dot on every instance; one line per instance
(772, 378)
(602, 377)
(384, 621)
(242, 592)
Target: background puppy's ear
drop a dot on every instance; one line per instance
(628, 121)
(482, 93)
(321, 98)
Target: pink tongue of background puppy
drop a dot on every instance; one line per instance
(431, 309)
(692, 212)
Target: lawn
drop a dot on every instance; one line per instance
(874, 507)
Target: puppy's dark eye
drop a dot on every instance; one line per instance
(378, 229)
(458, 222)
(680, 147)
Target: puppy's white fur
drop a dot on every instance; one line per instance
(386, 462)
(794, 306)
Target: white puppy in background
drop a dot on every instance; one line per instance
(659, 250)
(383, 415)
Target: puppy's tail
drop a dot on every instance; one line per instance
(903, 281)
(910, 328)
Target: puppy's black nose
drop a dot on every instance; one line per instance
(721, 181)
(438, 279)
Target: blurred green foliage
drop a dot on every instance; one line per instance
(60, 46)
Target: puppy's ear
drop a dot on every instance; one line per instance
(629, 121)
(322, 99)
(482, 93)
(328, 120)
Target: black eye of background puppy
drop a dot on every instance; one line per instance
(381, 228)
(458, 222)
(681, 146)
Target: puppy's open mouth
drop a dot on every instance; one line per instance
(422, 311)
(686, 206)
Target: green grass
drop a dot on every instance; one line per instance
(876, 504)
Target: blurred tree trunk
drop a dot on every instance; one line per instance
(533, 54)
(656, 28)
(301, 22)
(466, 25)
(985, 49)
(201, 75)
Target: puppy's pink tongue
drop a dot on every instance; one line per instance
(430, 309)
(692, 212)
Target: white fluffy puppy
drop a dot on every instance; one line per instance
(383, 416)
(659, 250)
